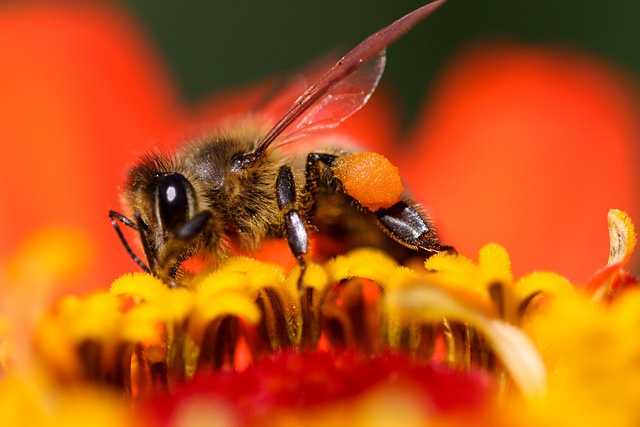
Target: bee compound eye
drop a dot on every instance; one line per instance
(173, 198)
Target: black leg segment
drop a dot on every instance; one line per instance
(404, 223)
(115, 217)
(295, 231)
(408, 226)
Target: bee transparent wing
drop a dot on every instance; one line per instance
(338, 104)
(320, 96)
(278, 100)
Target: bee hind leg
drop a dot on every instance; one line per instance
(409, 226)
(405, 222)
(295, 231)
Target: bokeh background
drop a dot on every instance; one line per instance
(211, 46)
(512, 121)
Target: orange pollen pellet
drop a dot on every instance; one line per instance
(370, 178)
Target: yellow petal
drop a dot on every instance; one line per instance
(230, 302)
(140, 324)
(622, 241)
(315, 277)
(459, 266)
(223, 280)
(626, 312)
(243, 274)
(622, 237)
(102, 407)
(540, 282)
(593, 356)
(511, 345)
(365, 263)
(96, 317)
(141, 286)
(494, 264)
(23, 403)
(178, 305)
(456, 272)
(400, 276)
(259, 274)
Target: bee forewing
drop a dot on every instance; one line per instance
(278, 100)
(319, 92)
(338, 104)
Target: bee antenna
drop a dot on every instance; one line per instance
(115, 217)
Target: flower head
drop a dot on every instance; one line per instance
(363, 340)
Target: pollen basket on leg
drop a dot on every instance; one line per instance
(370, 179)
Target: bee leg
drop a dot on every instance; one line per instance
(294, 228)
(407, 225)
(404, 222)
(117, 216)
(313, 172)
(176, 250)
(148, 251)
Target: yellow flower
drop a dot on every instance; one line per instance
(27, 403)
(364, 340)
(592, 354)
(491, 282)
(550, 350)
(611, 280)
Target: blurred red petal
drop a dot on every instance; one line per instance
(530, 148)
(305, 381)
(231, 103)
(81, 94)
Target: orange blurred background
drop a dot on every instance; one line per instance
(526, 141)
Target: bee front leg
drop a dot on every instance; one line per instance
(295, 231)
(178, 247)
(115, 217)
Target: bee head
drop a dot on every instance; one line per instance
(159, 201)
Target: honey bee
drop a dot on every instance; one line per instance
(236, 186)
